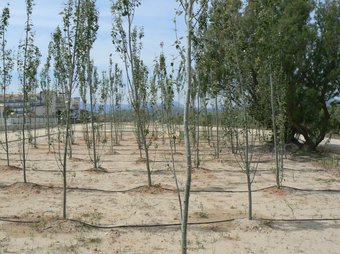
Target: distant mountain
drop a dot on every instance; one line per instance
(176, 107)
(107, 107)
(125, 106)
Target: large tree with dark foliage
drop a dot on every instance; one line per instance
(298, 43)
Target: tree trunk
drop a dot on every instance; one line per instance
(93, 131)
(4, 83)
(197, 160)
(67, 142)
(184, 224)
(47, 112)
(145, 145)
(217, 129)
(111, 125)
(272, 98)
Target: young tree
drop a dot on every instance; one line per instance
(96, 140)
(128, 43)
(187, 6)
(162, 82)
(234, 73)
(28, 62)
(269, 75)
(69, 48)
(104, 96)
(90, 34)
(47, 94)
(116, 87)
(5, 70)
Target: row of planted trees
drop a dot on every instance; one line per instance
(237, 56)
(256, 64)
(68, 67)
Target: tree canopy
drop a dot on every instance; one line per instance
(297, 42)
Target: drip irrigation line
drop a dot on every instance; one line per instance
(150, 225)
(49, 171)
(99, 190)
(304, 169)
(299, 220)
(311, 190)
(101, 226)
(8, 219)
(230, 191)
(82, 189)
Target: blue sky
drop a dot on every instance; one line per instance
(156, 16)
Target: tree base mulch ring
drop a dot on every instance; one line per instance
(40, 223)
(141, 160)
(97, 170)
(281, 192)
(153, 189)
(78, 159)
(58, 225)
(26, 188)
(202, 169)
(10, 168)
(178, 153)
(114, 152)
(246, 225)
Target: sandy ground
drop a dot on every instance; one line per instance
(302, 217)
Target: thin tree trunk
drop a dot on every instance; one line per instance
(48, 119)
(92, 114)
(197, 160)
(93, 134)
(184, 224)
(105, 137)
(24, 106)
(68, 108)
(137, 100)
(65, 156)
(146, 149)
(277, 171)
(4, 97)
(5, 125)
(247, 163)
(35, 120)
(111, 125)
(172, 143)
(217, 129)
(246, 141)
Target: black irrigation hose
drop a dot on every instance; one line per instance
(136, 188)
(311, 190)
(7, 219)
(98, 226)
(262, 189)
(299, 220)
(150, 225)
(230, 191)
(173, 190)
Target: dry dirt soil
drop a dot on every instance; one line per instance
(113, 211)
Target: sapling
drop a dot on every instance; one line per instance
(6, 67)
(70, 45)
(28, 62)
(127, 40)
